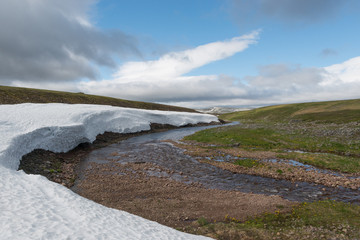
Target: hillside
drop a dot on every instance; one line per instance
(14, 95)
(316, 143)
(343, 111)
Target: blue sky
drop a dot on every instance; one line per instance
(178, 25)
(196, 53)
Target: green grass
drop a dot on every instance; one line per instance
(268, 138)
(317, 220)
(318, 214)
(329, 161)
(341, 116)
(344, 111)
(247, 162)
(15, 95)
(260, 138)
(343, 152)
(202, 221)
(329, 135)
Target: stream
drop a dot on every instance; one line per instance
(181, 167)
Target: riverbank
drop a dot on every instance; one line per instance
(148, 190)
(63, 168)
(315, 143)
(131, 188)
(266, 164)
(325, 154)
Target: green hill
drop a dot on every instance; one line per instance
(14, 95)
(343, 111)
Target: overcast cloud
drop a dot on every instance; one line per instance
(282, 83)
(257, 12)
(55, 41)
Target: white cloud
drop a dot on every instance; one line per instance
(175, 64)
(163, 80)
(284, 84)
(346, 72)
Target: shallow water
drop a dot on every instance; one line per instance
(306, 167)
(181, 167)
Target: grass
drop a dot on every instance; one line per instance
(246, 138)
(317, 220)
(327, 135)
(247, 162)
(344, 111)
(326, 214)
(202, 221)
(329, 161)
(15, 95)
(267, 137)
(342, 151)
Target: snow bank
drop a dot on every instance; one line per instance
(32, 207)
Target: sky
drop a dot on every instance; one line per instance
(192, 53)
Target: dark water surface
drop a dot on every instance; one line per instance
(181, 167)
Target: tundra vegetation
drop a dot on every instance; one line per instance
(16, 95)
(325, 135)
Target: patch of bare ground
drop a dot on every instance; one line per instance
(279, 170)
(128, 187)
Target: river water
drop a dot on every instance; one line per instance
(181, 167)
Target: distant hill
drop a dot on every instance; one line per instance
(221, 110)
(14, 95)
(342, 111)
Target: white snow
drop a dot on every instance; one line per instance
(31, 207)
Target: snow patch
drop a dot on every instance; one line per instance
(34, 208)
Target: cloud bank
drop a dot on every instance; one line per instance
(164, 80)
(55, 41)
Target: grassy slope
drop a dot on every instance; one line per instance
(326, 127)
(333, 111)
(14, 95)
(331, 128)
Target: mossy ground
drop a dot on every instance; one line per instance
(344, 111)
(15, 95)
(330, 147)
(317, 220)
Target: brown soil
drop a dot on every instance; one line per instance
(175, 204)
